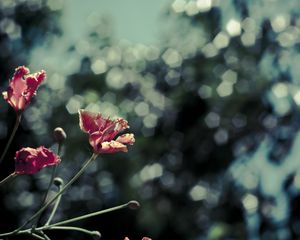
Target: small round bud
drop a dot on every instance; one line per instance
(133, 205)
(96, 235)
(59, 134)
(58, 181)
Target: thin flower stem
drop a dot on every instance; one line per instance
(8, 178)
(45, 196)
(69, 228)
(17, 123)
(44, 235)
(54, 208)
(35, 235)
(59, 227)
(54, 169)
(77, 175)
(87, 216)
(59, 148)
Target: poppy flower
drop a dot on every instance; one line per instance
(30, 160)
(102, 132)
(22, 87)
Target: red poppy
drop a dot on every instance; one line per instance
(30, 160)
(102, 131)
(22, 87)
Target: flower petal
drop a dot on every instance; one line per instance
(111, 147)
(95, 140)
(30, 160)
(102, 131)
(22, 87)
(87, 121)
(113, 128)
(127, 138)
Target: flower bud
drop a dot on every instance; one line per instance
(59, 134)
(58, 181)
(96, 235)
(133, 205)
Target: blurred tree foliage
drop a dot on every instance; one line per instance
(214, 110)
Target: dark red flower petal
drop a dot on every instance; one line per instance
(30, 160)
(22, 87)
(87, 121)
(102, 131)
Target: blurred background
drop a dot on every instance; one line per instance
(210, 89)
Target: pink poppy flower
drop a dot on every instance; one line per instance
(144, 238)
(22, 87)
(30, 160)
(102, 131)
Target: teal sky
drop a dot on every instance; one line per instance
(139, 21)
(135, 20)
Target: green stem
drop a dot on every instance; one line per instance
(69, 228)
(77, 175)
(39, 231)
(18, 120)
(88, 215)
(54, 169)
(44, 235)
(59, 148)
(35, 235)
(56, 225)
(54, 208)
(62, 190)
(8, 178)
(45, 196)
